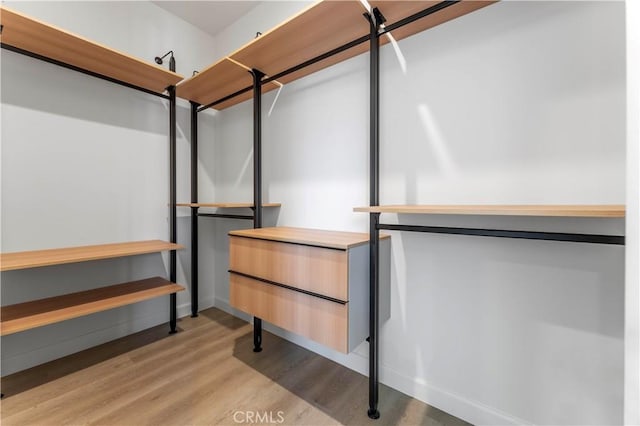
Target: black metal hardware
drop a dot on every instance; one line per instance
(194, 73)
(172, 203)
(500, 233)
(226, 216)
(288, 287)
(318, 58)
(172, 60)
(194, 210)
(409, 19)
(226, 98)
(257, 180)
(258, 34)
(374, 194)
(82, 70)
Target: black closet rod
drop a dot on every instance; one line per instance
(227, 216)
(291, 70)
(340, 49)
(529, 235)
(419, 15)
(82, 70)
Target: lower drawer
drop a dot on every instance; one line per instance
(321, 320)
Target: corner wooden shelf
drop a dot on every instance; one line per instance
(318, 29)
(226, 205)
(28, 34)
(37, 313)
(312, 237)
(217, 81)
(611, 211)
(38, 258)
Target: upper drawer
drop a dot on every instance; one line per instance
(318, 270)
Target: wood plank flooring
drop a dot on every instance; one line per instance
(207, 374)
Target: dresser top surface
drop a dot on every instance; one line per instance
(314, 237)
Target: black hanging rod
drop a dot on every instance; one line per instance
(419, 15)
(226, 216)
(82, 70)
(528, 235)
(226, 98)
(340, 49)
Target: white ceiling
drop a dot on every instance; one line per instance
(210, 16)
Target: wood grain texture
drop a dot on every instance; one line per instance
(314, 237)
(59, 256)
(46, 40)
(320, 320)
(560, 210)
(134, 381)
(37, 313)
(226, 205)
(315, 269)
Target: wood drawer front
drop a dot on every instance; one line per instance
(315, 269)
(318, 319)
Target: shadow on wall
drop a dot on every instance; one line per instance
(37, 85)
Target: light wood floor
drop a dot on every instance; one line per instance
(207, 374)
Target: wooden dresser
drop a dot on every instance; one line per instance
(311, 282)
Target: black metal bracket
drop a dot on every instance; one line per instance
(380, 19)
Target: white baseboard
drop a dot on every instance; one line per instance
(452, 403)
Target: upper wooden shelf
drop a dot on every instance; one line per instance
(312, 237)
(46, 40)
(37, 313)
(318, 29)
(504, 210)
(226, 205)
(37, 258)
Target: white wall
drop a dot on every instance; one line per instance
(85, 161)
(521, 102)
(632, 288)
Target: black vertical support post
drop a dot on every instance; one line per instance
(257, 180)
(172, 207)
(194, 209)
(374, 189)
(172, 201)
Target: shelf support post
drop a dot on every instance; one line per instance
(172, 203)
(194, 210)
(375, 20)
(257, 180)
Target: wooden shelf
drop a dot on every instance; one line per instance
(316, 30)
(312, 237)
(29, 34)
(37, 313)
(226, 205)
(504, 210)
(37, 258)
(394, 11)
(217, 81)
